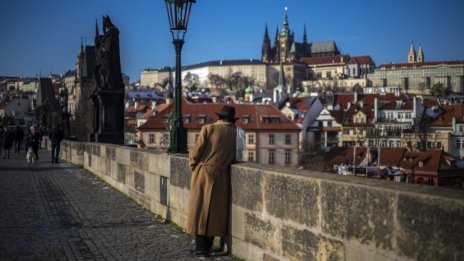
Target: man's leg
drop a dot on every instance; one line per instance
(201, 246)
(57, 152)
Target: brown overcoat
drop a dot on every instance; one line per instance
(209, 161)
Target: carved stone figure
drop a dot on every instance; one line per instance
(108, 97)
(108, 64)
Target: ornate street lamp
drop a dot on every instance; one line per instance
(178, 15)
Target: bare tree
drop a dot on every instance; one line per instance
(313, 156)
(192, 80)
(216, 80)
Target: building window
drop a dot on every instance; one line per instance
(439, 145)
(251, 156)
(288, 139)
(329, 123)
(288, 156)
(271, 157)
(458, 143)
(408, 115)
(346, 131)
(461, 128)
(251, 139)
(400, 115)
(151, 138)
(271, 139)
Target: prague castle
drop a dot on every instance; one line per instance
(287, 49)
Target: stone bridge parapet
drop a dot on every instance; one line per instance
(290, 214)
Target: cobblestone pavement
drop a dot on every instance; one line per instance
(60, 212)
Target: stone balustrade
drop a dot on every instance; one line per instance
(290, 214)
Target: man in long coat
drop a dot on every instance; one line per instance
(209, 161)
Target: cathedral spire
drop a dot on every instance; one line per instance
(420, 55)
(412, 54)
(266, 34)
(266, 55)
(82, 45)
(305, 36)
(285, 29)
(97, 33)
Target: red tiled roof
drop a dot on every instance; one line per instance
(431, 160)
(336, 59)
(449, 111)
(411, 65)
(254, 111)
(337, 115)
(364, 59)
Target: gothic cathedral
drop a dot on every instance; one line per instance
(285, 49)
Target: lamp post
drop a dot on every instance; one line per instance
(178, 15)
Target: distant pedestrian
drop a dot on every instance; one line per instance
(18, 139)
(32, 140)
(7, 142)
(56, 136)
(1, 139)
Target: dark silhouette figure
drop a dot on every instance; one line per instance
(7, 142)
(33, 140)
(108, 64)
(56, 136)
(18, 139)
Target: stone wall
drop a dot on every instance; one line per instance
(289, 214)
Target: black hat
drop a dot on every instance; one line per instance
(227, 112)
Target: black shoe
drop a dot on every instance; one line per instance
(198, 253)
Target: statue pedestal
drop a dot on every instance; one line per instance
(111, 118)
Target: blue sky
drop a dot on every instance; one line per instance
(43, 36)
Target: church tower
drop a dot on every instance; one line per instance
(412, 54)
(420, 55)
(266, 52)
(276, 49)
(305, 41)
(285, 39)
(80, 61)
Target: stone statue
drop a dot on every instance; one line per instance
(63, 93)
(108, 97)
(108, 65)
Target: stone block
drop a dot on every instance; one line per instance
(304, 245)
(177, 199)
(180, 173)
(110, 153)
(121, 173)
(245, 250)
(292, 198)
(134, 158)
(123, 155)
(246, 186)
(356, 251)
(358, 212)
(268, 257)
(159, 163)
(139, 181)
(262, 233)
(237, 222)
(143, 161)
(430, 228)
